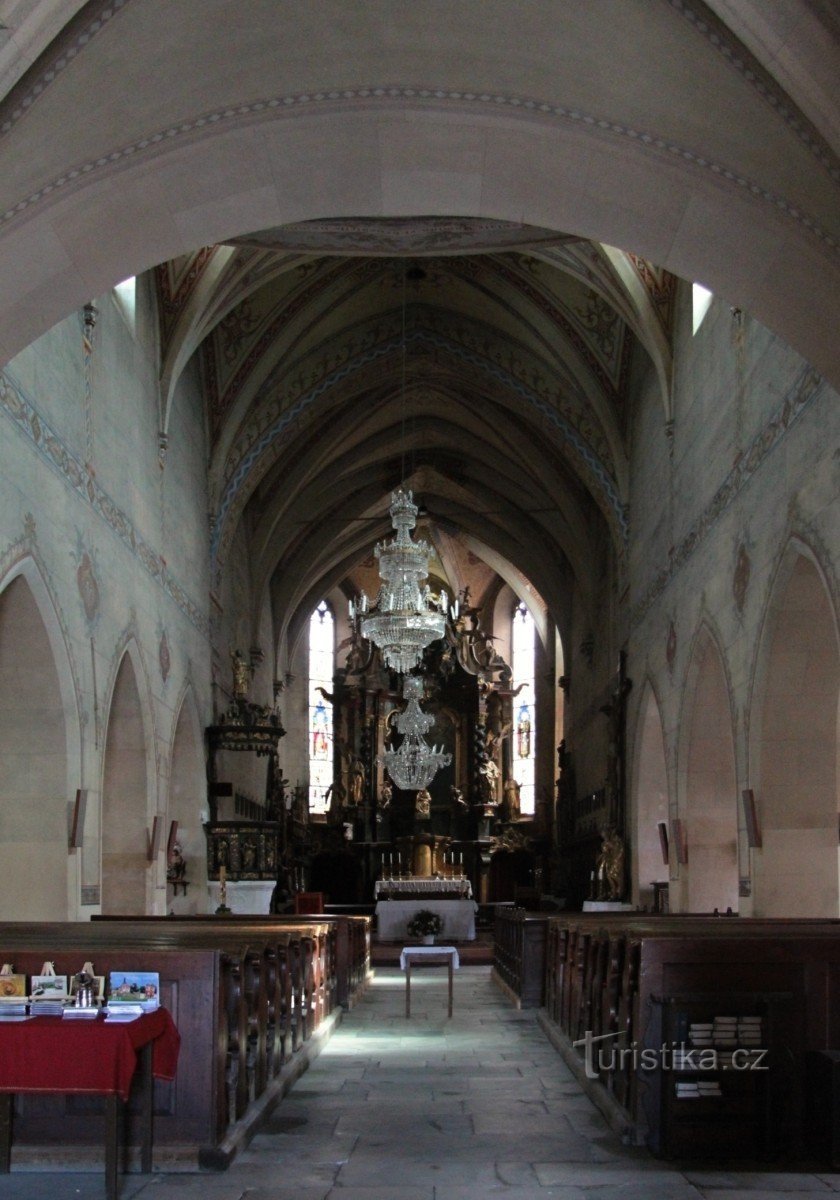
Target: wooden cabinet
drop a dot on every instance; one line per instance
(717, 1074)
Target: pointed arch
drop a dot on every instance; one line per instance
(128, 777)
(187, 797)
(650, 796)
(40, 751)
(794, 743)
(707, 775)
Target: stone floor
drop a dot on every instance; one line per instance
(430, 1109)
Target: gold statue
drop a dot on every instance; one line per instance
(242, 672)
(357, 782)
(609, 865)
(423, 803)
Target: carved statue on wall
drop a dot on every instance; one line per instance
(609, 865)
(386, 794)
(456, 798)
(489, 775)
(357, 782)
(510, 804)
(423, 803)
(177, 868)
(242, 673)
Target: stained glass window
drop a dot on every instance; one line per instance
(321, 660)
(522, 654)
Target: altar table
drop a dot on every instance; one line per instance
(444, 956)
(458, 918)
(92, 1057)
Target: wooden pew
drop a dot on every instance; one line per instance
(617, 974)
(248, 999)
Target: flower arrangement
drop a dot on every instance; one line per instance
(425, 924)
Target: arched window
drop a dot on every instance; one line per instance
(524, 709)
(321, 661)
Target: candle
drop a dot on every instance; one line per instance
(222, 874)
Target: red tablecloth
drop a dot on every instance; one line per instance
(50, 1054)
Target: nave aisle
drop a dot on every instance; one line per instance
(430, 1109)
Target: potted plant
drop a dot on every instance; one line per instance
(425, 924)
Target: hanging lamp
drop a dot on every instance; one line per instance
(406, 618)
(414, 763)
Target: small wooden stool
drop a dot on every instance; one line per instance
(437, 956)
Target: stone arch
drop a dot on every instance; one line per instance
(650, 797)
(794, 744)
(39, 752)
(465, 158)
(187, 798)
(127, 787)
(707, 774)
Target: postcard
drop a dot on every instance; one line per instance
(48, 987)
(134, 987)
(12, 987)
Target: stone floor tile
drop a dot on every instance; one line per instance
(758, 1181)
(770, 1192)
(647, 1175)
(26, 1184)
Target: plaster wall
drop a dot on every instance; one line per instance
(748, 469)
(116, 540)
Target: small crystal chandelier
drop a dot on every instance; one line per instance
(415, 763)
(405, 619)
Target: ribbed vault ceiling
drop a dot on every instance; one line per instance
(484, 364)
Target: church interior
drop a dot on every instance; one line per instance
(420, 474)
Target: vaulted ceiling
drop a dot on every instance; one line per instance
(484, 363)
(285, 159)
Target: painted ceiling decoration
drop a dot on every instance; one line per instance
(340, 355)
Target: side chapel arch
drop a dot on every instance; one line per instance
(708, 805)
(187, 796)
(39, 752)
(794, 746)
(650, 798)
(127, 779)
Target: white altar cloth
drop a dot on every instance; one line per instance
(417, 886)
(458, 918)
(419, 951)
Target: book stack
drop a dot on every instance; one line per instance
(688, 1091)
(80, 1014)
(46, 1006)
(749, 1031)
(700, 1033)
(725, 1031)
(122, 1011)
(13, 1008)
(709, 1087)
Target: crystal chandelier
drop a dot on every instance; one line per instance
(415, 763)
(405, 619)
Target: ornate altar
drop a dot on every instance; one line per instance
(469, 802)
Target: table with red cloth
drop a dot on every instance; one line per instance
(93, 1057)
